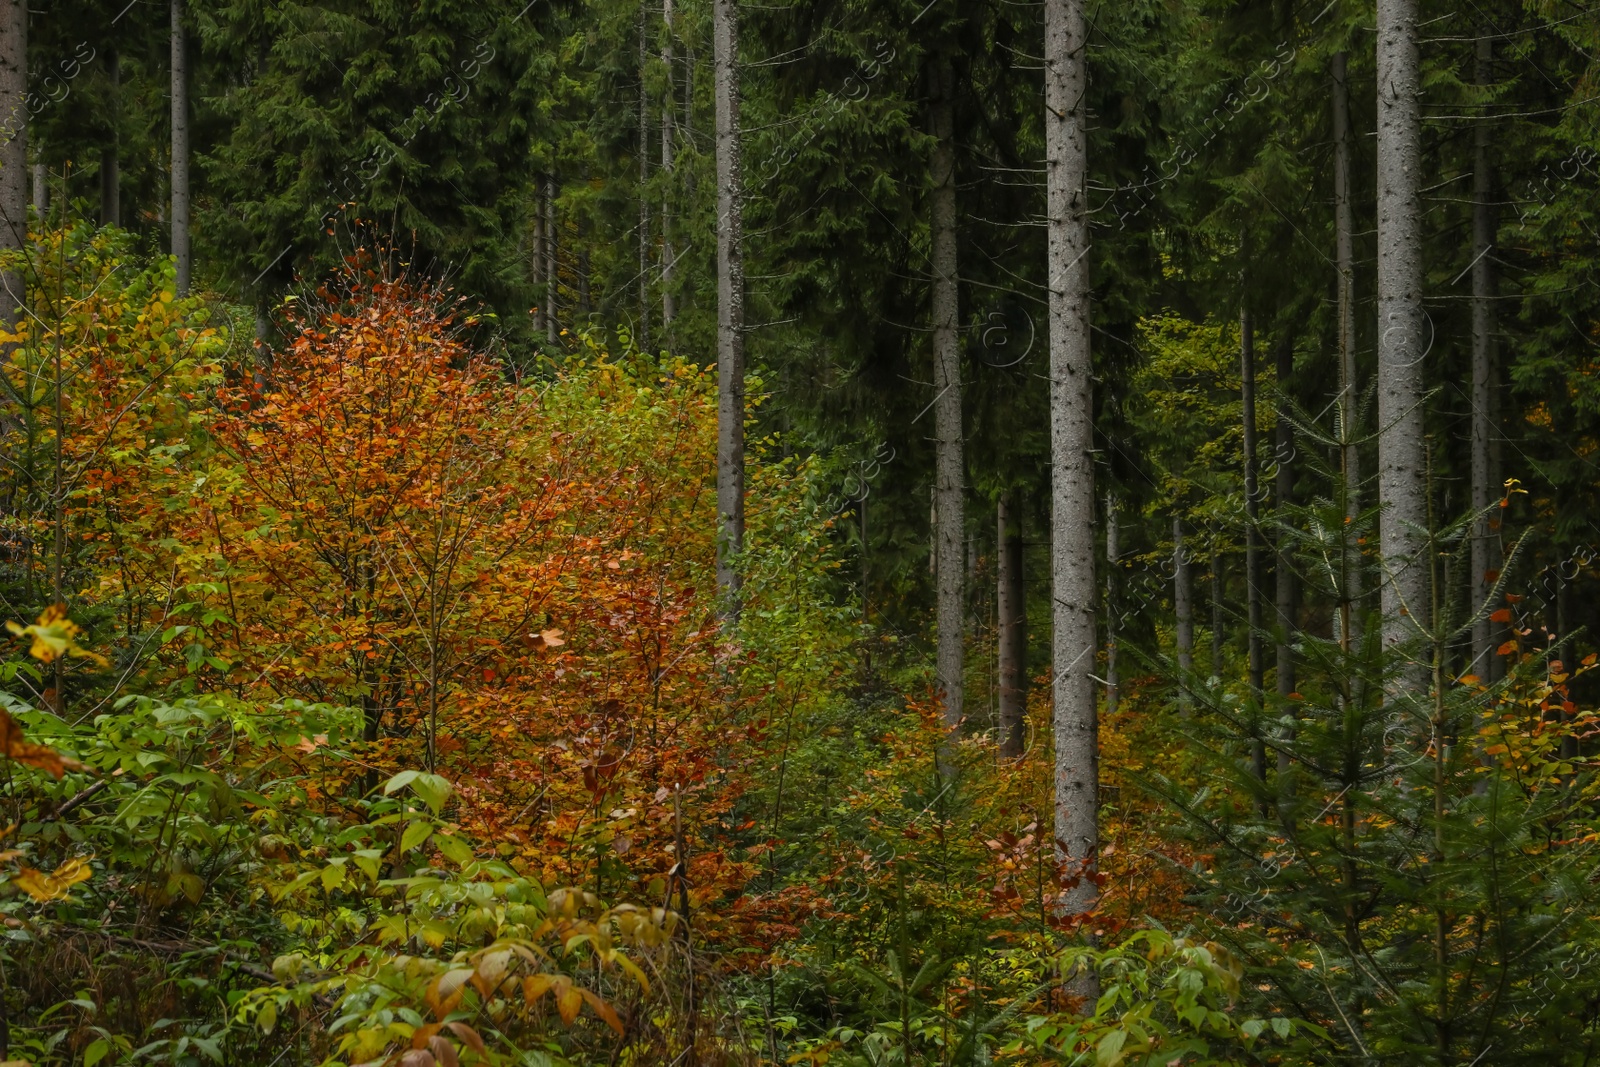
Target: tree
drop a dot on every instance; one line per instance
(730, 303)
(949, 506)
(1253, 577)
(1072, 539)
(180, 148)
(1350, 391)
(13, 144)
(1012, 609)
(1403, 340)
(1484, 374)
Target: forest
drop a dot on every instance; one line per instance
(870, 533)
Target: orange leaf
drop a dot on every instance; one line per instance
(568, 1002)
(602, 1009)
(1507, 649)
(446, 991)
(41, 756)
(1503, 615)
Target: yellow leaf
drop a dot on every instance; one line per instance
(55, 635)
(55, 885)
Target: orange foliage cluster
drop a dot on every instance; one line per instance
(514, 586)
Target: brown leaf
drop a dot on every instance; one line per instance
(471, 1037)
(444, 1052)
(417, 1057)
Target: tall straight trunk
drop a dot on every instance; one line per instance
(41, 192)
(1072, 540)
(949, 464)
(14, 148)
(1252, 530)
(1013, 628)
(1113, 558)
(645, 235)
(669, 307)
(1484, 490)
(1402, 339)
(1216, 610)
(110, 158)
(552, 277)
(730, 303)
(180, 148)
(1183, 608)
(542, 311)
(1349, 385)
(1283, 564)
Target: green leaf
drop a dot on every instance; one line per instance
(369, 860)
(454, 849)
(97, 1051)
(1108, 1053)
(433, 789)
(416, 833)
(1281, 1026)
(268, 1017)
(400, 781)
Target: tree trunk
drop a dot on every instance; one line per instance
(41, 193)
(644, 181)
(1113, 556)
(1484, 490)
(730, 304)
(14, 149)
(1349, 384)
(180, 149)
(1184, 608)
(110, 159)
(949, 465)
(1072, 541)
(1252, 534)
(1013, 629)
(1402, 340)
(1283, 565)
(669, 308)
(552, 276)
(1216, 611)
(541, 311)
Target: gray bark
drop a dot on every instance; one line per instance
(1184, 608)
(1283, 565)
(669, 309)
(1252, 531)
(1072, 541)
(1349, 384)
(730, 302)
(552, 277)
(110, 160)
(1216, 610)
(1485, 491)
(1013, 629)
(1113, 557)
(14, 148)
(180, 149)
(949, 462)
(644, 180)
(541, 312)
(1403, 339)
(41, 193)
